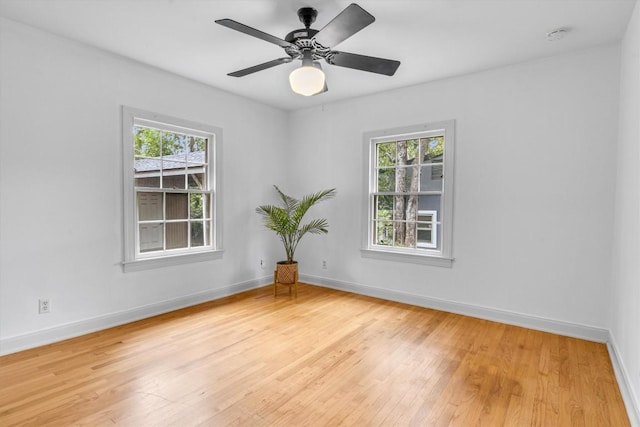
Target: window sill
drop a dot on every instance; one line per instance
(437, 261)
(166, 261)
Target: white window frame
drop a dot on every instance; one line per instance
(135, 260)
(442, 257)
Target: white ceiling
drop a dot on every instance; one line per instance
(433, 39)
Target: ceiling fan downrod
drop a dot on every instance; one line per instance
(307, 16)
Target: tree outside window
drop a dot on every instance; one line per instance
(410, 189)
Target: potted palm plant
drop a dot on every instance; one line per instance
(285, 220)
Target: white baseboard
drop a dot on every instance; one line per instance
(75, 329)
(631, 401)
(512, 318)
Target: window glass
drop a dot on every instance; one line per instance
(176, 215)
(171, 161)
(410, 190)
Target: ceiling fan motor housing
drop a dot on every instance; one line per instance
(303, 33)
(303, 39)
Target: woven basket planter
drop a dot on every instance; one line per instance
(286, 273)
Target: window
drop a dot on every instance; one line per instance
(410, 187)
(171, 202)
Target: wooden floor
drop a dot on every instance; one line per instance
(327, 358)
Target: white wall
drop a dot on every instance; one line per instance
(535, 158)
(625, 286)
(61, 183)
(533, 201)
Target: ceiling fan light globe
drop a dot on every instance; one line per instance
(307, 80)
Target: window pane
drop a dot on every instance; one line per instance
(383, 207)
(426, 229)
(173, 145)
(407, 179)
(150, 237)
(386, 179)
(173, 173)
(410, 236)
(400, 233)
(401, 152)
(147, 172)
(197, 143)
(195, 205)
(403, 180)
(412, 150)
(177, 235)
(173, 181)
(148, 182)
(197, 181)
(196, 158)
(430, 203)
(149, 206)
(386, 153)
(177, 206)
(431, 177)
(429, 238)
(425, 239)
(197, 233)
(399, 203)
(146, 142)
(383, 233)
(432, 148)
(424, 233)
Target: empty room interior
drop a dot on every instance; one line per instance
(478, 262)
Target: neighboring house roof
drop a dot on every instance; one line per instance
(175, 161)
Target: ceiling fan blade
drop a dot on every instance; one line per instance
(348, 22)
(260, 67)
(234, 25)
(372, 64)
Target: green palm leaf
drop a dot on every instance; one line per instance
(285, 219)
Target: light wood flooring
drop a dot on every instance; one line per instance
(325, 358)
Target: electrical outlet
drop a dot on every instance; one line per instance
(324, 264)
(44, 306)
(262, 264)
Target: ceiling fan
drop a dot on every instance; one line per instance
(310, 45)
